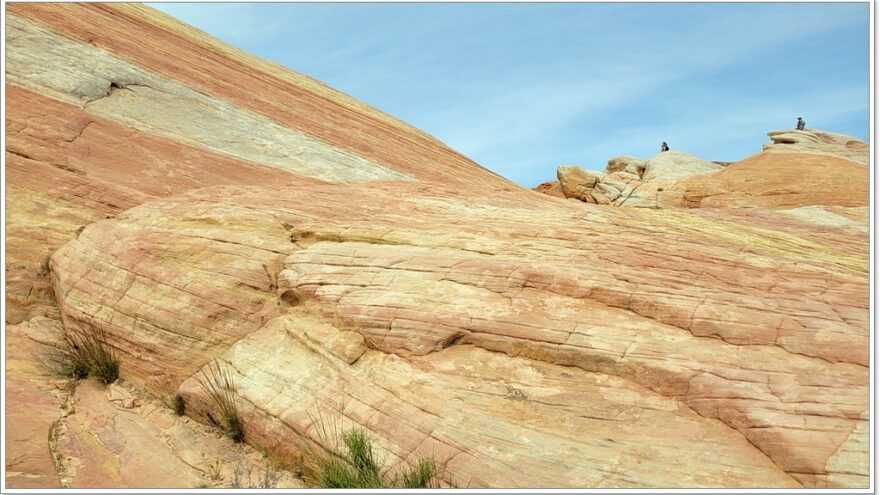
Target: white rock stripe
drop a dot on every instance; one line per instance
(42, 60)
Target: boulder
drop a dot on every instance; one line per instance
(628, 164)
(609, 191)
(816, 141)
(671, 166)
(550, 188)
(576, 182)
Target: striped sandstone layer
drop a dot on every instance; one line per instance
(198, 202)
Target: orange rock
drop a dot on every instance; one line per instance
(729, 315)
(781, 180)
(550, 188)
(346, 266)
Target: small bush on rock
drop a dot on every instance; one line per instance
(357, 466)
(178, 405)
(83, 353)
(217, 382)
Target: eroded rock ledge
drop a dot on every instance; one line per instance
(522, 340)
(459, 325)
(800, 169)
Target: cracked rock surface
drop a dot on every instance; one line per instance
(196, 203)
(396, 303)
(800, 169)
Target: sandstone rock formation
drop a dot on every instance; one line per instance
(628, 164)
(801, 168)
(107, 437)
(575, 182)
(671, 166)
(628, 181)
(780, 180)
(819, 142)
(100, 120)
(550, 189)
(350, 270)
(386, 314)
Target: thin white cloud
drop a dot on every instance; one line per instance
(510, 87)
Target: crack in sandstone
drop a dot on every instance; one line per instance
(115, 87)
(79, 132)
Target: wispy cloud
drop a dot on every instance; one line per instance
(522, 88)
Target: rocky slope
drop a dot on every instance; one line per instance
(801, 168)
(819, 142)
(196, 203)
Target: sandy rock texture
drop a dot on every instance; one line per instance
(628, 181)
(196, 203)
(753, 320)
(86, 435)
(551, 188)
(801, 169)
(101, 118)
(780, 180)
(671, 166)
(818, 142)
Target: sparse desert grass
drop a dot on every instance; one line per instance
(178, 405)
(170, 386)
(214, 469)
(83, 353)
(217, 381)
(422, 475)
(267, 477)
(356, 465)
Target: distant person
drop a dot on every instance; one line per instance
(664, 147)
(801, 124)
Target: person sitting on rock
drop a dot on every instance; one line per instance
(664, 147)
(801, 124)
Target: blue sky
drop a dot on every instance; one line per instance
(523, 88)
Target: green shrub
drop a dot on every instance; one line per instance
(64, 363)
(420, 476)
(178, 405)
(169, 387)
(357, 467)
(83, 353)
(217, 382)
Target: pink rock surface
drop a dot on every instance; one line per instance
(350, 270)
(737, 318)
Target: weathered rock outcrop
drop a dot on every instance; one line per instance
(801, 168)
(113, 105)
(816, 141)
(349, 268)
(107, 437)
(628, 181)
(550, 188)
(628, 164)
(671, 166)
(780, 180)
(769, 343)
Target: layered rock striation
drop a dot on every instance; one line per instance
(388, 307)
(197, 204)
(816, 141)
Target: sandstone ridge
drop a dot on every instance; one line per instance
(347, 266)
(800, 169)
